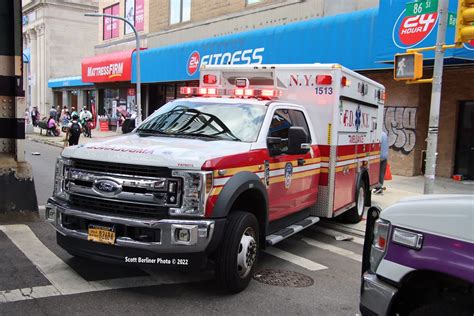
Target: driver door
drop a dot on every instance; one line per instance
(292, 182)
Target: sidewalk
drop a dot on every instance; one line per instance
(59, 140)
(402, 187)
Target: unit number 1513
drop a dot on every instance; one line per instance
(323, 90)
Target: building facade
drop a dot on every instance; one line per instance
(361, 35)
(56, 36)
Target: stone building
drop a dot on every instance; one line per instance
(56, 36)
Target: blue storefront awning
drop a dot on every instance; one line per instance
(347, 39)
(397, 32)
(68, 82)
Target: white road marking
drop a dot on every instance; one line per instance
(302, 262)
(28, 293)
(64, 280)
(340, 251)
(334, 233)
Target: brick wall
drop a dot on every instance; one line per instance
(409, 100)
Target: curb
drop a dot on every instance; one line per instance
(40, 141)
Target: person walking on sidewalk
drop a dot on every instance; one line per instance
(74, 131)
(383, 163)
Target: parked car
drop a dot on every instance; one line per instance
(419, 257)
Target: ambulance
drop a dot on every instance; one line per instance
(252, 156)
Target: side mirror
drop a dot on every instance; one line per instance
(298, 141)
(273, 145)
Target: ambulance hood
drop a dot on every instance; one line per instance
(182, 153)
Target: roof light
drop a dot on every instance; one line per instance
(242, 82)
(209, 79)
(212, 91)
(344, 81)
(186, 90)
(268, 93)
(202, 90)
(239, 92)
(324, 79)
(249, 92)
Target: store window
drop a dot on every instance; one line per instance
(111, 26)
(180, 11)
(135, 14)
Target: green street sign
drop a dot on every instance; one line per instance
(421, 7)
(452, 17)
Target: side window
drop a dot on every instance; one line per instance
(299, 120)
(282, 120)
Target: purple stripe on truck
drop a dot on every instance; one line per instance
(442, 254)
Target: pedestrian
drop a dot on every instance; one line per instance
(58, 114)
(74, 112)
(53, 112)
(74, 131)
(52, 127)
(383, 163)
(34, 116)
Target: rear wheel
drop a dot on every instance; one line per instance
(354, 215)
(237, 256)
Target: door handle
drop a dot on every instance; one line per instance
(301, 162)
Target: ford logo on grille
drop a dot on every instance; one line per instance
(107, 187)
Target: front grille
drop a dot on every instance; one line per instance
(123, 169)
(118, 208)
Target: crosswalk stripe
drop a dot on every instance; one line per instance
(28, 293)
(340, 251)
(334, 233)
(64, 280)
(302, 262)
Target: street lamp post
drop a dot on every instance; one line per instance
(139, 92)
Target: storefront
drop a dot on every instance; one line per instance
(365, 41)
(111, 75)
(72, 92)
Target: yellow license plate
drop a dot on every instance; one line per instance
(101, 234)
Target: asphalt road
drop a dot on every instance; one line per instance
(37, 277)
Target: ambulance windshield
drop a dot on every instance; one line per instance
(223, 121)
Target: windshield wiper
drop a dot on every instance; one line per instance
(150, 131)
(195, 134)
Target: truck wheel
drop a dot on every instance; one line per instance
(238, 252)
(354, 215)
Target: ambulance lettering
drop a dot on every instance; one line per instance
(411, 30)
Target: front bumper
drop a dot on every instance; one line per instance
(167, 250)
(376, 296)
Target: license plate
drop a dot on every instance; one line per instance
(101, 234)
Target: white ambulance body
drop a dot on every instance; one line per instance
(346, 114)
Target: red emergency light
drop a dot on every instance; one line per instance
(324, 79)
(209, 79)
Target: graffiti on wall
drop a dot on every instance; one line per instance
(400, 124)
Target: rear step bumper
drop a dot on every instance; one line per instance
(291, 230)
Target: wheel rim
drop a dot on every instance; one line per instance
(247, 252)
(361, 201)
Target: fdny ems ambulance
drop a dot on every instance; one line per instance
(252, 156)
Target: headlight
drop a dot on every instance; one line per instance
(379, 245)
(196, 188)
(59, 190)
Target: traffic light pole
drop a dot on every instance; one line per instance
(431, 152)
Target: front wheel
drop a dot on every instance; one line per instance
(237, 255)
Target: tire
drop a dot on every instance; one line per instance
(238, 253)
(440, 310)
(354, 215)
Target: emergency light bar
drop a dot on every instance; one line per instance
(239, 92)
